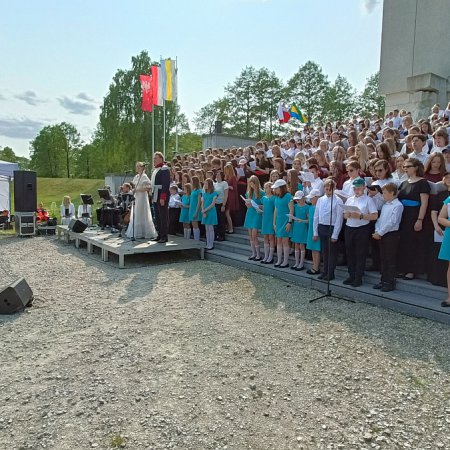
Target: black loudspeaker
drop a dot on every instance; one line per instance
(218, 127)
(77, 226)
(15, 297)
(25, 192)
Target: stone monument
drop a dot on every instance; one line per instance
(415, 59)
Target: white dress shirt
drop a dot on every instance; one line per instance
(173, 201)
(378, 198)
(322, 214)
(316, 184)
(347, 187)
(288, 155)
(390, 217)
(366, 205)
(422, 156)
(397, 179)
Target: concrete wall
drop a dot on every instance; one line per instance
(415, 62)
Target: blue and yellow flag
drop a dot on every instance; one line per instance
(296, 113)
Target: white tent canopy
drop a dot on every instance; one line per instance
(6, 175)
(7, 168)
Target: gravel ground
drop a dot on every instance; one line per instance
(189, 354)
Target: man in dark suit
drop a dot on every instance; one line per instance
(160, 196)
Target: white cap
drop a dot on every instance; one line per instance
(298, 195)
(313, 193)
(242, 161)
(278, 184)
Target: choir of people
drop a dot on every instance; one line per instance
(348, 193)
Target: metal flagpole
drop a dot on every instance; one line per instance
(153, 132)
(164, 128)
(176, 104)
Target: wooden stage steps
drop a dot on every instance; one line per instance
(111, 243)
(416, 297)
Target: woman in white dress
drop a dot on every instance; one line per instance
(141, 222)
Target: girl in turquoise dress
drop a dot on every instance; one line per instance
(195, 216)
(253, 218)
(300, 229)
(282, 222)
(209, 213)
(311, 244)
(184, 215)
(267, 229)
(444, 253)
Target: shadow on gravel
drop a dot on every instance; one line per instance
(398, 334)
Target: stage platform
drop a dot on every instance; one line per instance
(121, 246)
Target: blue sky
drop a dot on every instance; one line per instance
(57, 58)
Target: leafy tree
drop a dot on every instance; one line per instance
(217, 110)
(339, 101)
(308, 87)
(124, 132)
(370, 101)
(7, 154)
(54, 150)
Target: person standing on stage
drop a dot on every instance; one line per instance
(141, 222)
(160, 185)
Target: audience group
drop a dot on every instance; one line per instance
(370, 194)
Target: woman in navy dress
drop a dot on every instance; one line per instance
(284, 211)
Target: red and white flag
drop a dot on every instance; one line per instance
(157, 86)
(283, 113)
(146, 85)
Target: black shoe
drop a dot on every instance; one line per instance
(373, 269)
(257, 259)
(298, 269)
(357, 282)
(284, 266)
(313, 272)
(388, 288)
(251, 258)
(263, 262)
(269, 262)
(321, 276)
(348, 280)
(409, 278)
(293, 267)
(378, 286)
(163, 241)
(277, 265)
(445, 305)
(156, 239)
(328, 278)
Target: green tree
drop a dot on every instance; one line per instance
(308, 87)
(370, 101)
(54, 150)
(124, 131)
(7, 154)
(217, 110)
(339, 101)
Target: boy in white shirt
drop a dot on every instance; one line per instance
(386, 232)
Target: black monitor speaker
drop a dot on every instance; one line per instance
(15, 297)
(77, 226)
(25, 191)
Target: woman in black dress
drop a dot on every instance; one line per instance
(414, 194)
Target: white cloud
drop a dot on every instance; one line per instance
(29, 97)
(75, 106)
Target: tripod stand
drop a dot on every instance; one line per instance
(328, 277)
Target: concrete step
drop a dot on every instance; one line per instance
(415, 304)
(239, 245)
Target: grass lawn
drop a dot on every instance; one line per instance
(51, 190)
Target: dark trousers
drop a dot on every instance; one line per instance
(174, 220)
(388, 254)
(375, 249)
(328, 249)
(221, 220)
(357, 241)
(162, 219)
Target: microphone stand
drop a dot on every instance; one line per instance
(328, 291)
